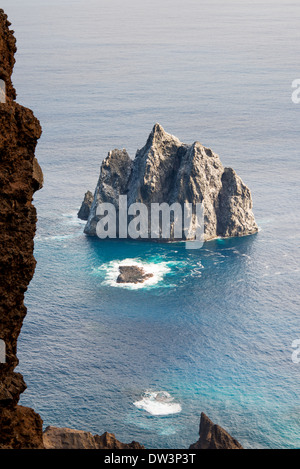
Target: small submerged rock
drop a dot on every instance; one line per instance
(132, 274)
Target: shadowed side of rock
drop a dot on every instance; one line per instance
(66, 438)
(85, 208)
(214, 437)
(20, 177)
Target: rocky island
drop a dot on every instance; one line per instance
(132, 274)
(168, 171)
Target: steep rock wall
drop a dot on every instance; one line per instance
(20, 177)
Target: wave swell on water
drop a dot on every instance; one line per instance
(72, 218)
(60, 227)
(158, 403)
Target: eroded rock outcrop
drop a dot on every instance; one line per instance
(132, 274)
(7, 54)
(214, 437)
(167, 170)
(85, 208)
(20, 176)
(66, 438)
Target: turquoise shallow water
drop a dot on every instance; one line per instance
(215, 330)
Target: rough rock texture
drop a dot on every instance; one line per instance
(20, 176)
(113, 181)
(85, 208)
(214, 437)
(66, 438)
(7, 52)
(132, 274)
(21, 428)
(166, 170)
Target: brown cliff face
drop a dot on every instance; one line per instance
(20, 177)
(66, 438)
(7, 52)
(214, 437)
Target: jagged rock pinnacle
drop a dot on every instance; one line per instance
(167, 170)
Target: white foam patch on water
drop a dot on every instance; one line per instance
(158, 403)
(111, 271)
(197, 270)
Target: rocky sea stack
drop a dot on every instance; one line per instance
(214, 437)
(85, 208)
(166, 170)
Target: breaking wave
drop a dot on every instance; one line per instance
(158, 403)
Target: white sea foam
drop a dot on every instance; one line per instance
(197, 271)
(158, 403)
(111, 271)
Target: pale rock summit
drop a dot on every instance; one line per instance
(167, 170)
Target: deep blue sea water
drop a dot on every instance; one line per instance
(215, 330)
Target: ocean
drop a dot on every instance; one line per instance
(213, 331)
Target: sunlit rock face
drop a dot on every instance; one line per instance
(66, 438)
(168, 171)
